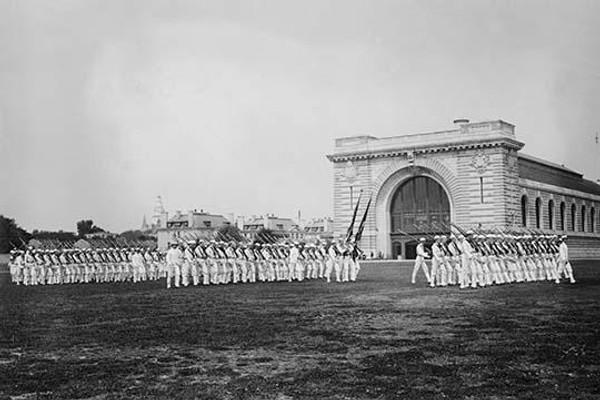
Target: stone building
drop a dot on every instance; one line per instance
(473, 175)
(318, 229)
(281, 227)
(193, 224)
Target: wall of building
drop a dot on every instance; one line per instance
(535, 190)
(454, 170)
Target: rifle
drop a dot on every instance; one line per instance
(274, 239)
(230, 238)
(269, 237)
(440, 226)
(424, 233)
(408, 234)
(458, 228)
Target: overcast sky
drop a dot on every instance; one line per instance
(231, 106)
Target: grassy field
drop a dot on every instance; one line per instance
(379, 338)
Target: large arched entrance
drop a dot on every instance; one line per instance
(419, 207)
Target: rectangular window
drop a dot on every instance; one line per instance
(481, 189)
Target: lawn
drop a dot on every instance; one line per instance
(378, 338)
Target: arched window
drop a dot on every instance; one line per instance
(562, 215)
(593, 220)
(573, 213)
(538, 216)
(524, 210)
(420, 205)
(551, 214)
(583, 218)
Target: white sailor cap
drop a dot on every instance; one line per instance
(422, 239)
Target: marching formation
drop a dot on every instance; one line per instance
(189, 263)
(217, 262)
(477, 260)
(63, 266)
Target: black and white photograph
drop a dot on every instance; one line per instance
(297, 200)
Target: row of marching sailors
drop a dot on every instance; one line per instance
(479, 260)
(63, 266)
(218, 262)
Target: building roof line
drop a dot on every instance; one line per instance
(435, 132)
(438, 147)
(550, 164)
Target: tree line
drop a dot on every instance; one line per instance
(12, 235)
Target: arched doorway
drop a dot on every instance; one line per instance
(419, 207)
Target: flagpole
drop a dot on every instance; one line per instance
(597, 159)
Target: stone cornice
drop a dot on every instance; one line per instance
(437, 148)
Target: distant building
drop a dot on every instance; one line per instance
(145, 227)
(159, 219)
(193, 224)
(318, 228)
(196, 219)
(281, 227)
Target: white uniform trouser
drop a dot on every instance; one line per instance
(354, 268)
(195, 271)
(186, 269)
(173, 272)
(346, 269)
(329, 268)
(338, 270)
(205, 273)
(435, 272)
(252, 265)
(420, 264)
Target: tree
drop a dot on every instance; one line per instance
(61, 236)
(11, 234)
(86, 226)
(229, 232)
